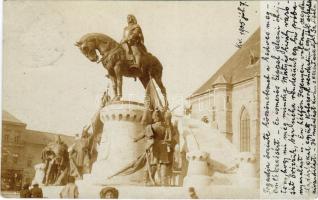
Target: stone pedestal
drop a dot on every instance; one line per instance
(122, 123)
(247, 172)
(197, 175)
(88, 191)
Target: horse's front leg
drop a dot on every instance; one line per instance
(114, 84)
(119, 80)
(120, 86)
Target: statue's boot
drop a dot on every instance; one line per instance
(137, 65)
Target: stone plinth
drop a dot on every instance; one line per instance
(89, 191)
(247, 173)
(122, 123)
(197, 170)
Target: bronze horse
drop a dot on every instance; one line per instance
(115, 60)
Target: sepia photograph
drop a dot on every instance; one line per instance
(131, 99)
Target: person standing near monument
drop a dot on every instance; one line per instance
(36, 191)
(70, 190)
(192, 193)
(25, 192)
(109, 193)
(133, 41)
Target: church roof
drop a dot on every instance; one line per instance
(237, 68)
(9, 118)
(220, 80)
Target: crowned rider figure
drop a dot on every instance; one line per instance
(133, 41)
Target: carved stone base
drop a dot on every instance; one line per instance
(247, 174)
(117, 148)
(88, 191)
(197, 170)
(197, 181)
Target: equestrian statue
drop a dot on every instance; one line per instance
(128, 58)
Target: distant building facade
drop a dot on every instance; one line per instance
(229, 101)
(21, 150)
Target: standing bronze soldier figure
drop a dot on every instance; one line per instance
(158, 149)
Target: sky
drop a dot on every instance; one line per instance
(49, 85)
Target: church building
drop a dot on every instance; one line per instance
(230, 100)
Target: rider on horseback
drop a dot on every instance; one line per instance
(133, 41)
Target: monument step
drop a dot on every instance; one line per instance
(138, 192)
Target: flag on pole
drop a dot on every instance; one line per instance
(152, 101)
(132, 167)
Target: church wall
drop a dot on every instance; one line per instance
(203, 106)
(246, 95)
(227, 108)
(223, 110)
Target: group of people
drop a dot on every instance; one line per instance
(70, 191)
(34, 192)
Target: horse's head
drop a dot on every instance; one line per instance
(88, 48)
(92, 42)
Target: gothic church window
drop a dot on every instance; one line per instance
(213, 113)
(244, 131)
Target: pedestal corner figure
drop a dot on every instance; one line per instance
(55, 157)
(157, 148)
